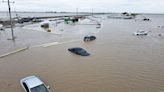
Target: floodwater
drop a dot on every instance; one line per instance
(119, 61)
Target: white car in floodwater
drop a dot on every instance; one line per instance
(140, 33)
(1, 27)
(34, 84)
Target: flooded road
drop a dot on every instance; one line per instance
(119, 61)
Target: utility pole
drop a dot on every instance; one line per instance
(11, 24)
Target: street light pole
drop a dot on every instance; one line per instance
(11, 24)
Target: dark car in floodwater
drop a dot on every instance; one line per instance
(22, 20)
(89, 38)
(79, 51)
(146, 19)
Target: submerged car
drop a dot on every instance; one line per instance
(79, 51)
(140, 33)
(45, 25)
(89, 38)
(22, 20)
(33, 84)
(146, 19)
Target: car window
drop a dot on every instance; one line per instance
(82, 51)
(40, 88)
(25, 86)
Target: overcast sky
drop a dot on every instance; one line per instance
(141, 6)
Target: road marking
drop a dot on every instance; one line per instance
(13, 52)
(55, 43)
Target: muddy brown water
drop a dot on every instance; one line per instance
(119, 62)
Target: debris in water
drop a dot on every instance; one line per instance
(49, 30)
(160, 26)
(159, 34)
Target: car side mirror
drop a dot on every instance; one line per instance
(48, 87)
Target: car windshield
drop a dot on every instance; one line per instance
(40, 88)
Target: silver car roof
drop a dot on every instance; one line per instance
(32, 81)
